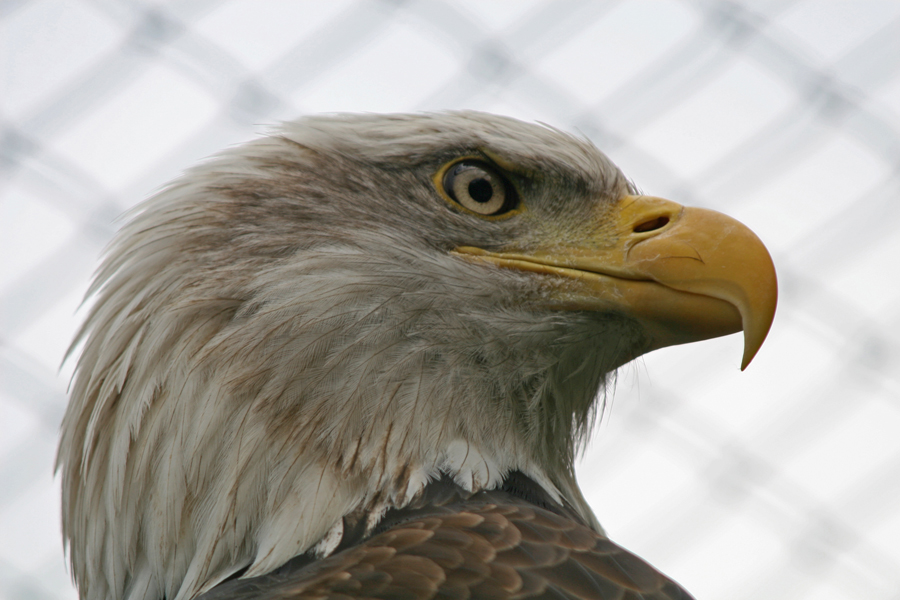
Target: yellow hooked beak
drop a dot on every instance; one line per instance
(686, 274)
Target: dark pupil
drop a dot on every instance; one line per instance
(481, 190)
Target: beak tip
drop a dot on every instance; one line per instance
(753, 341)
(758, 320)
(750, 351)
(751, 347)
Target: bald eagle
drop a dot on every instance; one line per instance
(356, 358)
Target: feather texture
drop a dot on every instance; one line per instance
(451, 543)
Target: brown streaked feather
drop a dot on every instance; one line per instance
(451, 544)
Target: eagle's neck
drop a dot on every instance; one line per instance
(459, 463)
(215, 432)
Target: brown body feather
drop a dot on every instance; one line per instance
(455, 545)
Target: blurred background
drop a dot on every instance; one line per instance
(781, 482)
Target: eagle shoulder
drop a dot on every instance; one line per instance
(511, 542)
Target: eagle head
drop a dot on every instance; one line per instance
(314, 325)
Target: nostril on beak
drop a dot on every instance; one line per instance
(651, 224)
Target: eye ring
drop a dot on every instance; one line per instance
(478, 187)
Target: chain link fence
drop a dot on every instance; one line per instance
(782, 482)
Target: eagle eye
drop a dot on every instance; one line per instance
(478, 187)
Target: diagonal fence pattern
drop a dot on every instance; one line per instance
(780, 482)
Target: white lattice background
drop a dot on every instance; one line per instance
(782, 482)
